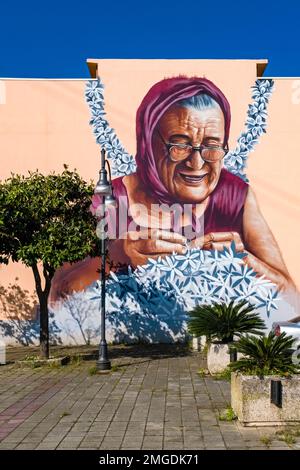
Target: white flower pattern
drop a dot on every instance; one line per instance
(199, 277)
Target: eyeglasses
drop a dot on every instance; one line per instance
(209, 153)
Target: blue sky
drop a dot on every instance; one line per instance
(54, 39)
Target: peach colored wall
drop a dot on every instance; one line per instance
(274, 171)
(44, 123)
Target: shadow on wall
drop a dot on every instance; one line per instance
(19, 317)
(134, 315)
(131, 318)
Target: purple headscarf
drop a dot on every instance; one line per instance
(156, 102)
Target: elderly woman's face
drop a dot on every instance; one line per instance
(190, 180)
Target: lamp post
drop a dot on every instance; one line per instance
(105, 191)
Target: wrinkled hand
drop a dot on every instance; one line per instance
(218, 241)
(152, 243)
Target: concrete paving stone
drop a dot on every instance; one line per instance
(139, 416)
(231, 434)
(77, 434)
(158, 397)
(134, 432)
(192, 437)
(173, 422)
(130, 448)
(7, 446)
(275, 443)
(259, 448)
(172, 446)
(233, 441)
(30, 446)
(191, 428)
(136, 425)
(212, 436)
(151, 440)
(254, 443)
(46, 447)
(68, 445)
(176, 442)
(8, 440)
(94, 442)
(56, 435)
(132, 441)
(213, 440)
(169, 416)
(173, 433)
(198, 446)
(236, 446)
(115, 432)
(281, 448)
(154, 433)
(214, 446)
(50, 442)
(87, 448)
(154, 425)
(110, 446)
(176, 408)
(152, 447)
(102, 424)
(32, 441)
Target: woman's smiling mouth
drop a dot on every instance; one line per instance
(192, 179)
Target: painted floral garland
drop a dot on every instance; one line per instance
(255, 126)
(121, 162)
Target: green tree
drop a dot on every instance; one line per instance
(44, 222)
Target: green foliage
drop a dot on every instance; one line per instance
(203, 372)
(222, 322)
(266, 355)
(288, 435)
(33, 357)
(93, 370)
(227, 415)
(224, 375)
(76, 360)
(266, 440)
(46, 219)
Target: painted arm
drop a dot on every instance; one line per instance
(263, 252)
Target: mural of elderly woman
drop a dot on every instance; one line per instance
(182, 130)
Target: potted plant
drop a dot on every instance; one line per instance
(221, 324)
(265, 382)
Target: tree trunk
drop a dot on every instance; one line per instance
(43, 296)
(44, 327)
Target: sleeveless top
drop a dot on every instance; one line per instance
(224, 212)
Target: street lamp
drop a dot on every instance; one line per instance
(105, 191)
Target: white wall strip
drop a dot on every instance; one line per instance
(2, 92)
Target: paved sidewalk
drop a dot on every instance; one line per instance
(154, 398)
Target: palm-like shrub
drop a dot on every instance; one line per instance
(265, 355)
(221, 322)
